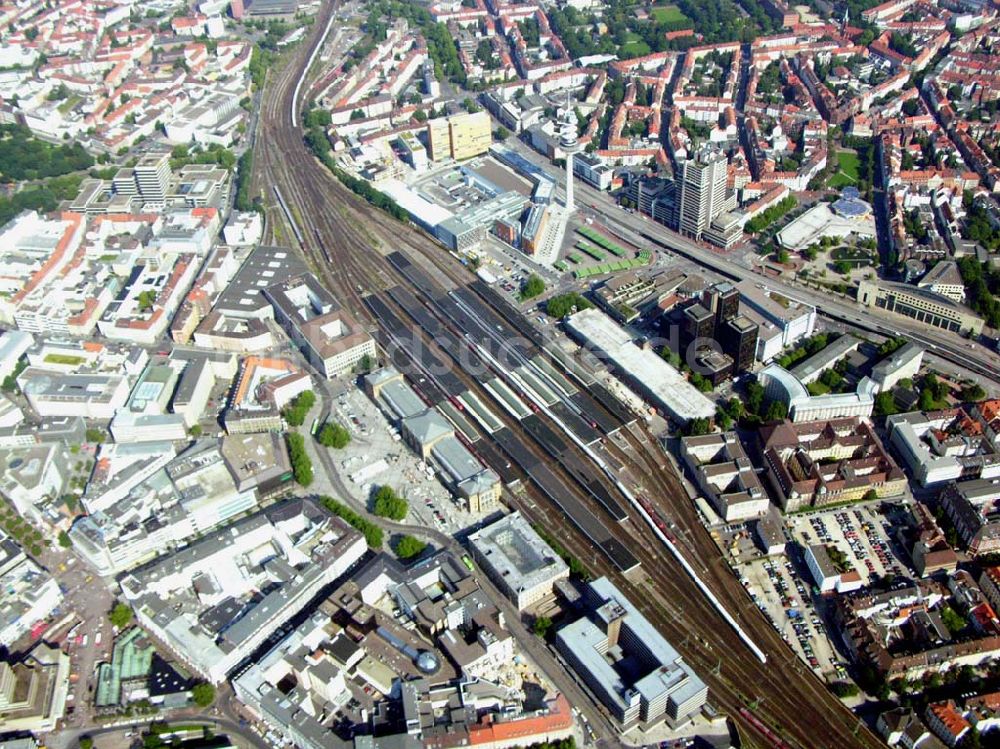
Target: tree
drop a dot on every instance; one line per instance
(302, 468)
(844, 689)
(203, 694)
(195, 430)
(541, 626)
(64, 540)
(372, 533)
(885, 404)
(120, 616)
(532, 287)
(86, 742)
(334, 435)
(502, 133)
(755, 397)
(701, 382)
(94, 435)
(388, 504)
(407, 547)
(952, 620)
(776, 411)
(563, 304)
(296, 411)
(782, 256)
(972, 392)
(697, 427)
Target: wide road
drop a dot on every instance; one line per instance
(975, 357)
(345, 241)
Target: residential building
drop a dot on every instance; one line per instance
(30, 594)
(143, 501)
(264, 387)
(947, 445)
(517, 560)
(152, 177)
(706, 203)
(974, 509)
(900, 632)
(33, 474)
(947, 722)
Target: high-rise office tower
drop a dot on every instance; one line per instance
(703, 192)
(152, 176)
(723, 300)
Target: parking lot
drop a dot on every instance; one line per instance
(377, 456)
(864, 535)
(780, 591)
(782, 586)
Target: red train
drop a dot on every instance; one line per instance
(652, 512)
(776, 741)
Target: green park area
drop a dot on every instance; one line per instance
(634, 46)
(847, 175)
(668, 14)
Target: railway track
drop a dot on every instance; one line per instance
(345, 242)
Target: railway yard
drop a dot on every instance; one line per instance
(452, 334)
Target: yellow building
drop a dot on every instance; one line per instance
(470, 135)
(438, 138)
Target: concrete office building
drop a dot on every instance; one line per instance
(738, 336)
(205, 602)
(33, 690)
(592, 170)
(638, 676)
(469, 135)
(438, 138)
(902, 363)
(92, 396)
(517, 560)
(780, 384)
(792, 319)
(705, 200)
(331, 339)
(152, 176)
(922, 305)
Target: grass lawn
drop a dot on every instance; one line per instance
(66, 359)
(668, 14)
(634, 47)
(848, 174)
